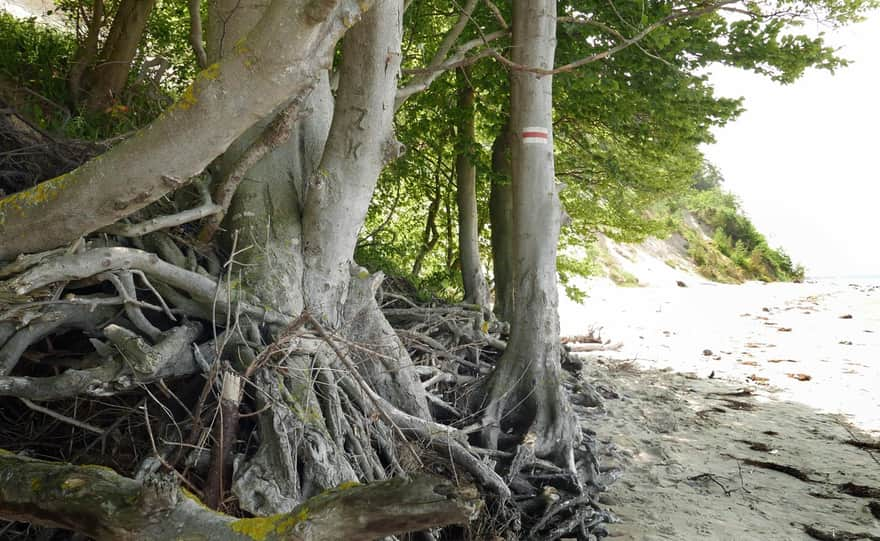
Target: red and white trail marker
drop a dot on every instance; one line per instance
(535, 135)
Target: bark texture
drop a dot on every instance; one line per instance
(97, 502)
(476, 291)
(525, 392)
(212, 114)
(360, 142)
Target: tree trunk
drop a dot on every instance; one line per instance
(430, 236)
(525, 392)
(86, 52)
(360, 142)
(475, 289)
(501, 218)
(107, 80)
(296, 217)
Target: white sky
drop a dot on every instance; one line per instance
(803, 158)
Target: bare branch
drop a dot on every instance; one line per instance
(62, 418)
(274, 135)
(676, 15)
(424, 80)
(171, 357)
(497, 14)
(458, 59)
(205, 209)
(93, 262)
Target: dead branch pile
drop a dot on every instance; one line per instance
(29, 154)
(137, 351)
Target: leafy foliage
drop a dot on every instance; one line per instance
(36, 60)
(627, 128)
(736, 238)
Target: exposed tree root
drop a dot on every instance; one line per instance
(387, 394)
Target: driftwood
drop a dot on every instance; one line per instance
(583, 348)
(99, 503)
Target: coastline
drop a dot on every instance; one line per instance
(754, 451)
(791, 340)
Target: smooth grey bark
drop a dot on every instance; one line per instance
(265, 218)
(267, 69)
(525, 392)
(360, 142)
(297, 214)
(501, 219)
(476, 291)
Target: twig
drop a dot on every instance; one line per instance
(159, 456)
(204, 210)
(681, 14)
(712, 478)
(63, 418)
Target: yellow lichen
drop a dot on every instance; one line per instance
(36, 484)
(73, 483)
(259, 528)
(347, 485)
(99, 467)
(195, 499)
(188, 98)
(211, 72)
(41, 193)
(240, 47)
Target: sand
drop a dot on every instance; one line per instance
(714, 379)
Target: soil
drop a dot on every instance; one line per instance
(696, 454)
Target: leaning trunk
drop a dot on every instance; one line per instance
(475, 289)
(210, 116)
(525, 394)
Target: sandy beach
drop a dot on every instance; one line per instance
(734, 411)
(774, 336)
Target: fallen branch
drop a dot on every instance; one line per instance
(582, 348)
(96, 261)
(171, 357)
(102, 504)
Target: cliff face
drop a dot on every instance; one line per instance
(652, 262)
(702, 246)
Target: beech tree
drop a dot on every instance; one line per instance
(277, 147)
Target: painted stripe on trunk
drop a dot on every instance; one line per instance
(535, 135)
